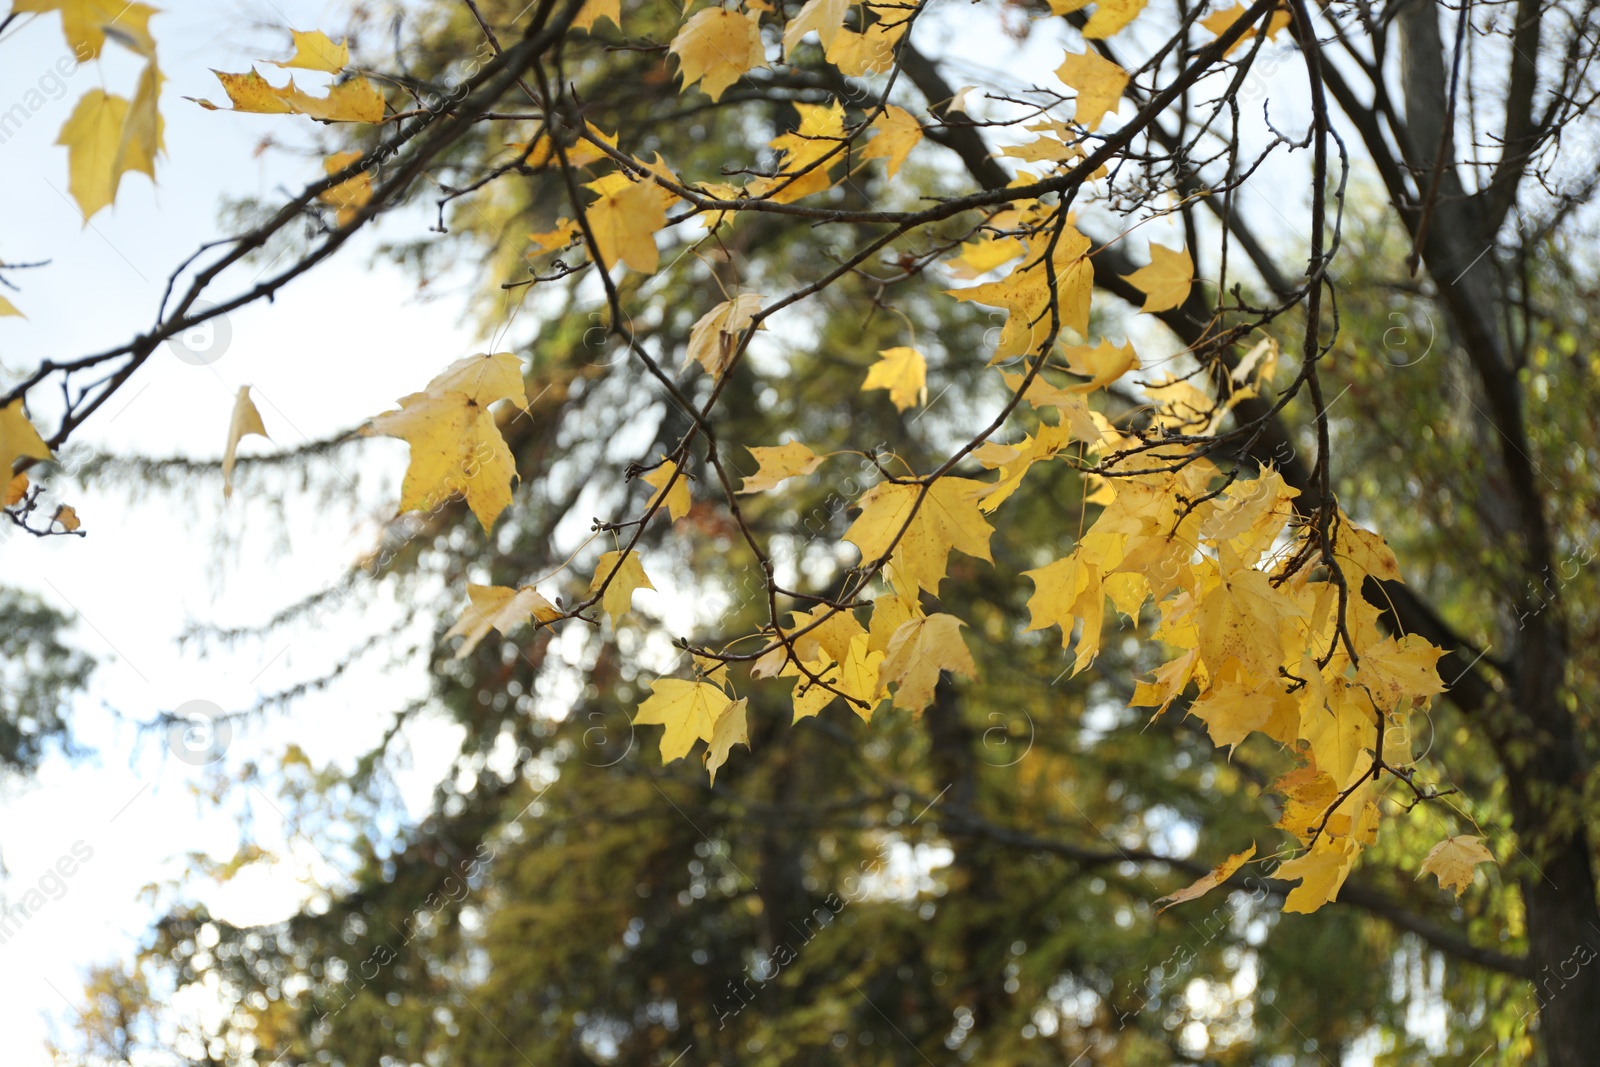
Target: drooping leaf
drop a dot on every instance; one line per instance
(93, 136)
(716, 47)
(18, 437)
(87, 24)
(898, 132)
(918, 651)
(245, 420)
(625, 219)
(350, 195)
(713, 338)
(1208, 881)
(629, 576)
(904, 372)
(1165, 283)
(499, 608)
(1454, 860)
(671, 487)
(689, 711)
(730, 728)
(1099, 83)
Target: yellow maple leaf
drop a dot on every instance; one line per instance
(850, 669)
(87, 23)
(869, 52)
(1165, 283)
(246, 420)
(1218, 22)
(16, 489)
(714, 337)
(1102, 365)
(455, 445)
(1454, 860)
(92, 136)
(918, 651)
(313, 50)
(671, 486)
(716, 47)
(1398, 670)
(729, 729)
(689, 711)
(18, 437)
(889, 612)
(826, 17)
(7, 308)
(983, 255)
(1241, 618)
(1065, 591)
(776, 463)
(67, 516)
(904, 372)
(629, 576)
(625, 220)
(1320, 872)
(1109, 17)
(1099, 83)
(350, 195)
(580, 153)
(1171, 679)
(594, 10)
(898, 132)
(1208, 881)
(948, 518)
(500, 608)
(564, 234)
(1232, 710)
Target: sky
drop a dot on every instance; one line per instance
(333, 349)
(153, 563)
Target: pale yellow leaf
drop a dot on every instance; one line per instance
(898, 132)
(1099, 83)
(87, 24)
(729, 729)
(246, 420)
(500, 608)
(18, 437)
(775, 463)
(625, 220)
(313, 50)
(671, 488)
(629, 576)
(1165, 283)
(1454, 860)
(1209, 881)
(947, 519)
(689, 711)
(714, 337)
(716, 47)
(92, 136)
(904, 372)
(918, 651)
